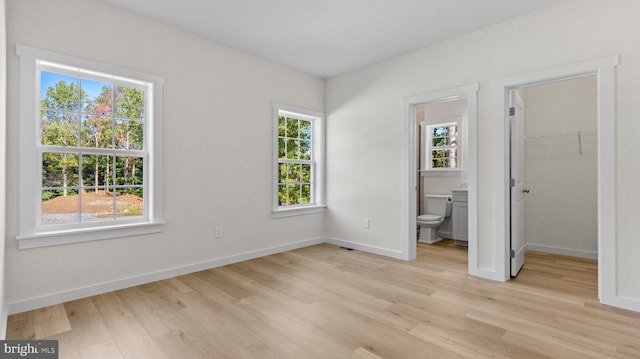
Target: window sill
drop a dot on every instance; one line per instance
(298, 211)
(87, 234)
(441, 173)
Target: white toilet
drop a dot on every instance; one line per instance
(437, 209)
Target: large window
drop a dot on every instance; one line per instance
(89, 150)
(441, 147)
(298, 160)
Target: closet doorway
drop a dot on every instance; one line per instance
(554, 169)
(604, 70)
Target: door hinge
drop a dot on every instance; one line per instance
(512, 111)
(513, 253)
(512, 182)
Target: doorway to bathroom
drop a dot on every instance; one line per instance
(441, 156)
(442, 130)
(442, 195)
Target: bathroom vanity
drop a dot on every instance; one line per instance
(460, 216)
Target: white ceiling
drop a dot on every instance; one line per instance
(329, 37)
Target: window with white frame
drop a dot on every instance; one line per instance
(298, 160)
(90, 159)
(441, 143)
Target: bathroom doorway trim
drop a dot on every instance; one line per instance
(410, 170)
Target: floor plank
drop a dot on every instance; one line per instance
(329, 302)
(50, 321)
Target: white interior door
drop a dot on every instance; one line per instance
(516, 118)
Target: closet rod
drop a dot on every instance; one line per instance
(561, 134)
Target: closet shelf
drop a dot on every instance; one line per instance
(577, 138)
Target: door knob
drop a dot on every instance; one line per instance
(525, 190)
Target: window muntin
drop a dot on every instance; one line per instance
(91, 148)
(295, 164)
(87, 129)
(298, 158)
(441, 147)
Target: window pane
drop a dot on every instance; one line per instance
(305, 130)
(59, 170)
(137, 175)
(59, 92)
(292, 127)
(444, 158)
(58, 128)
(453, 135)
(129, 171)
(440, 163)
(281, 126)
(96, 132)
(440, 136)
(129, 103)
(129, 134)
(306, 194)
(97, 171)
(440, 131)
(292, 149)
(129, 202)
(282, 148)
(293, 192)
(282, 172)
(439, 159)
(305, 173)
(58, 209)
(99, 97)
(283, 199)
(97, 205)
(305, 150)
(295, 172)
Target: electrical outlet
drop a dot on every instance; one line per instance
(219, 232)
(366, 223)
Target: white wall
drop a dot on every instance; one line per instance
(561, 170)
(3, 112)
(217, 146)
(364, 120)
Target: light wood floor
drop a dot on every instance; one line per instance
(329, 302)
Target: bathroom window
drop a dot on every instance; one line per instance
(441, 147)
(90, 151)
(298, 161)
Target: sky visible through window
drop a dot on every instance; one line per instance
(50, 79)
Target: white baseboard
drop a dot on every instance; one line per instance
(3, 325)
(561, 251)
(366, 248)
(622, 302)
(88, 291)
(487, 274)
